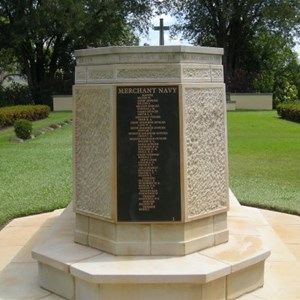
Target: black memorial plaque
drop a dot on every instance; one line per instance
(148, 158)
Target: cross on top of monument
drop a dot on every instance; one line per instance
(161, 29)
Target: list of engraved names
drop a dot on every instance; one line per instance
(149, 137)
(148, 130)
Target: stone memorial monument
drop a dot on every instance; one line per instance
(150, 150)
(151, 191)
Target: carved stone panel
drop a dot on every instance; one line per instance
(206, 162)
(149, 73)
(93, 150)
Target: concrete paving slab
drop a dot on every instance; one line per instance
(280, 232)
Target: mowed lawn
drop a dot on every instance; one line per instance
(35, 176)
(264, 160)
(264, 165)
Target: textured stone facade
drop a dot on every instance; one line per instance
(150, 73)
(93, 150)
(205, 143)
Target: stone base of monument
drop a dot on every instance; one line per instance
(152, 239)
(225, 271)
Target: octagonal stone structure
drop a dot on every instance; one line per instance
(194, 187)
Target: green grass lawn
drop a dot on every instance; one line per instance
(264, 160)
(264, 165)
(35, 176)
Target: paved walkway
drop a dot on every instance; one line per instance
(280, 232)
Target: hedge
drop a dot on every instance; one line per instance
(8, 115)
(289, 111)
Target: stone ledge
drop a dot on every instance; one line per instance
(151, 239)
(149, 49)
(108, 269)
(232, 269)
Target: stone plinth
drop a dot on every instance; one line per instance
(226, 271)
(201, 185)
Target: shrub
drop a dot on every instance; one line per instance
(8, 115)
(2, 120)
(23, 129)
(289, 111)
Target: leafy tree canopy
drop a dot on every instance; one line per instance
(235, 26)
(42, 34)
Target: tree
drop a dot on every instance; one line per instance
(8, 65)
(233, 25)
(42, 34)
(276, 65)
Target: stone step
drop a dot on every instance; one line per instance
(226, 271)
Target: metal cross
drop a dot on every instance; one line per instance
(161, 29)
